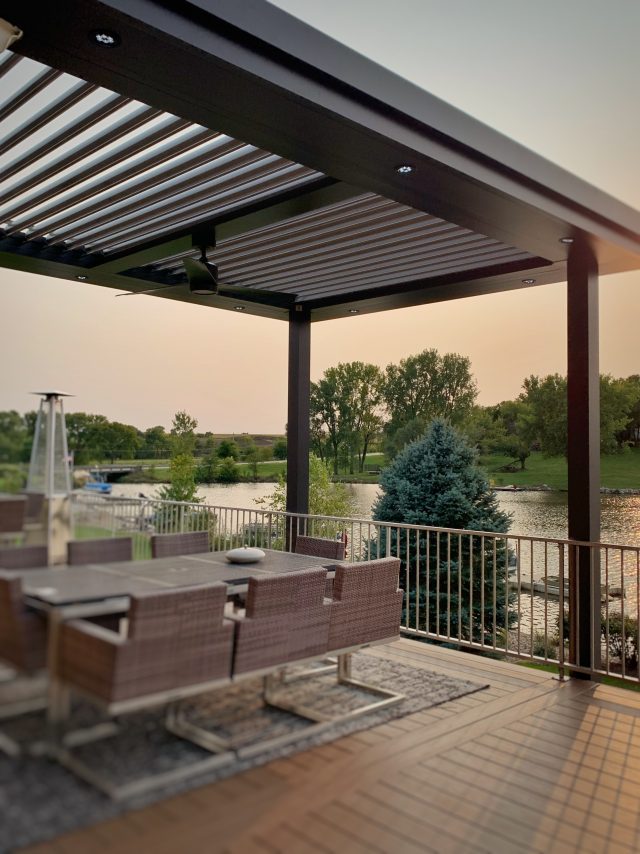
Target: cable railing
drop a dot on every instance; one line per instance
(492, 592)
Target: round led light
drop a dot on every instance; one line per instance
(566, 240)
(104, 38)
(528, 281)
(239, 307)
(354, 311)
(404, 169)
(82, 278)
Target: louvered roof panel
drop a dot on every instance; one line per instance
(86, 168)
(350, 247)
(89, 173)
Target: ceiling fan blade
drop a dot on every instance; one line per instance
(275, 298)
(149, 291)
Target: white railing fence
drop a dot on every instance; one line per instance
(489, 591)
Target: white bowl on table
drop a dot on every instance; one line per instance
(245, 554)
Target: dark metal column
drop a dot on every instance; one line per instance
(298, 411)
(583, 453)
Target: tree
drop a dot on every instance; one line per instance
(206, 472)
(280, 449)
(156, 443)
(547, 399)
(228, 471)
(182, 486)
(85, 436)
(228, 448)
(423, 387)
(252, 456)
(515, 434)
(13, 436)
(118, 441)
(436, 481)
(631, 432)
(325, 497)
(346, 411)
(616, 405)
(183, 437)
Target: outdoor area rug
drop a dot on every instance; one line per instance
(39, 799)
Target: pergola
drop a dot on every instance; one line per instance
(134, 132)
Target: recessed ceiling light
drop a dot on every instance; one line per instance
(239, 307)
(404, 169)
(354, 311)
(566, 240)
(104, 38)
(528, 281)
(82, 278)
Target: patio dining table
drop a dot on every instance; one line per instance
(96, 585)
(72, 592)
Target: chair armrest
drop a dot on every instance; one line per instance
(95, 631)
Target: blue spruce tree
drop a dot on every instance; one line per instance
(456, 585)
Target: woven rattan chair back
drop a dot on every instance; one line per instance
(107, 550)
(12, 513)
(287, 619)
(319, 547)
(35, 504)
(367, 605)
(23, 557)
(22, 633)
(176, 638)
(172, 545)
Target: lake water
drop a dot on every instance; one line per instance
(542, 514)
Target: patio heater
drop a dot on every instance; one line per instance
(50, 475)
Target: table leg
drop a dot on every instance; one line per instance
(59, 704)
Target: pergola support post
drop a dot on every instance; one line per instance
(298, 416)
(583, 455)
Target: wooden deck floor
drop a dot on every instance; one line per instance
(529, 764)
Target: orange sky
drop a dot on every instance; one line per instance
(554, 76)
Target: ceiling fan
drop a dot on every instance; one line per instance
(203, 281)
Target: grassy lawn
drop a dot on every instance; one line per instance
(618, 471)
(606, 680)
(141, 542)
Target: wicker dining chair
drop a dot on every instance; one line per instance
(12, 517)
(367, 604)
(178, 643)
(176, 637)
(286, 619)
(320, 547)
(23, 557)
(366, 609)
(106, 550)
(23, 633)
(34, 506)
(172, 545)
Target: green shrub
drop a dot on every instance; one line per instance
(619, 646)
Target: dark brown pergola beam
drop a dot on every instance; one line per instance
(583, 453)
(298, 411)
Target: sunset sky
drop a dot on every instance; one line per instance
(561, 78)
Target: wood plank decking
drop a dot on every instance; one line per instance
(530, 764)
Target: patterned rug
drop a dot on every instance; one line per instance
(39, 799)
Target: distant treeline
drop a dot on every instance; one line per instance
(95, 439)
(356, 407)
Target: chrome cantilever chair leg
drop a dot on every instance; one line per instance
(387, 698)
